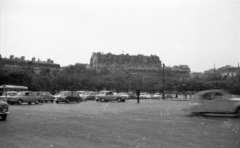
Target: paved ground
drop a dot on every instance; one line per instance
(150, 124)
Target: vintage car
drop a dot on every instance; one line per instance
(109, 96)
(92, 96)
(213, 101)
(47, 96)
(157, 96)
(3, 110)
(84, 94)
(7, 94)
(68, 96)
(123, 94)
(25, 97)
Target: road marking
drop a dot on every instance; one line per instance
(106, 105)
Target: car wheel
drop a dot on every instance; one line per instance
(36, 102)
(238, 111)
(196, 113)
(51, 101)
(119, 100)
(4, 117)
(20, 102)
(57, 102)
(29, 103)
(67, 101)
(77, 100)
(102, 100)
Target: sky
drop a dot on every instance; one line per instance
(197, 33)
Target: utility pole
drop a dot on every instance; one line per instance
(163, 95)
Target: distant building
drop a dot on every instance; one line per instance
(196, 74)
(228, 71)
(16, 63)
(135, 64)
(183, 70)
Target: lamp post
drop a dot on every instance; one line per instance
(163, 95)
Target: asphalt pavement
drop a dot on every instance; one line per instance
(150, 124)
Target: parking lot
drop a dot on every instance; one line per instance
(150, 124)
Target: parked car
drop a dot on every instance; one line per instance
(109, 96)
(4, 110)
(25, 97)
(213, 101)
(83, 94)
(157, 96)
(68, 96)
(47, 96)
(92, 96)
(124, 95)
(145, 96)
(7, 94)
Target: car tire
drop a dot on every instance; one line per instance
(29, 103)
(37, 102)
(102, 100)
(51, 101)
(20, 102)
(67, 101)
(4, 117)
(238, 111)
(196, 113)
(57, 102)
(119, 100)
(77, 100)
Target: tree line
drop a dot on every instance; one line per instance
(79, 77)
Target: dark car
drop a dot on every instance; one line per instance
(3, 110)
(68, 96)
(47, 96)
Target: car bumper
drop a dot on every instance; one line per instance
(4, 113)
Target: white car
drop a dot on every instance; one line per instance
(84, 94)
(213, 101)
(157, 96)
(125, 95)
(109, 96)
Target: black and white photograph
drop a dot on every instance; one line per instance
(119, 74)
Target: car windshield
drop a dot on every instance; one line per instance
(20, 94)
(65, 93)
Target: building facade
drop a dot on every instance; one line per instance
(20, 63)
(135, 64)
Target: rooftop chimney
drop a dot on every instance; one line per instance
(33, 59)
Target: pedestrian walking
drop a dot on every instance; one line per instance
(138, 95)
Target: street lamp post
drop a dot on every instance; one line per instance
(163, 95)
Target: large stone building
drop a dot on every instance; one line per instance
(17, 63)
(135, 64)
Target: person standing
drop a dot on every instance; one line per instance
(138, 95)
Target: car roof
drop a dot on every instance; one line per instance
(211, 91)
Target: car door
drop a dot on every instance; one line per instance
(26, 97)
(222, 102)
(207, 104)
(109, 96)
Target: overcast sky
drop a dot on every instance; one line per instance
(197, 33)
